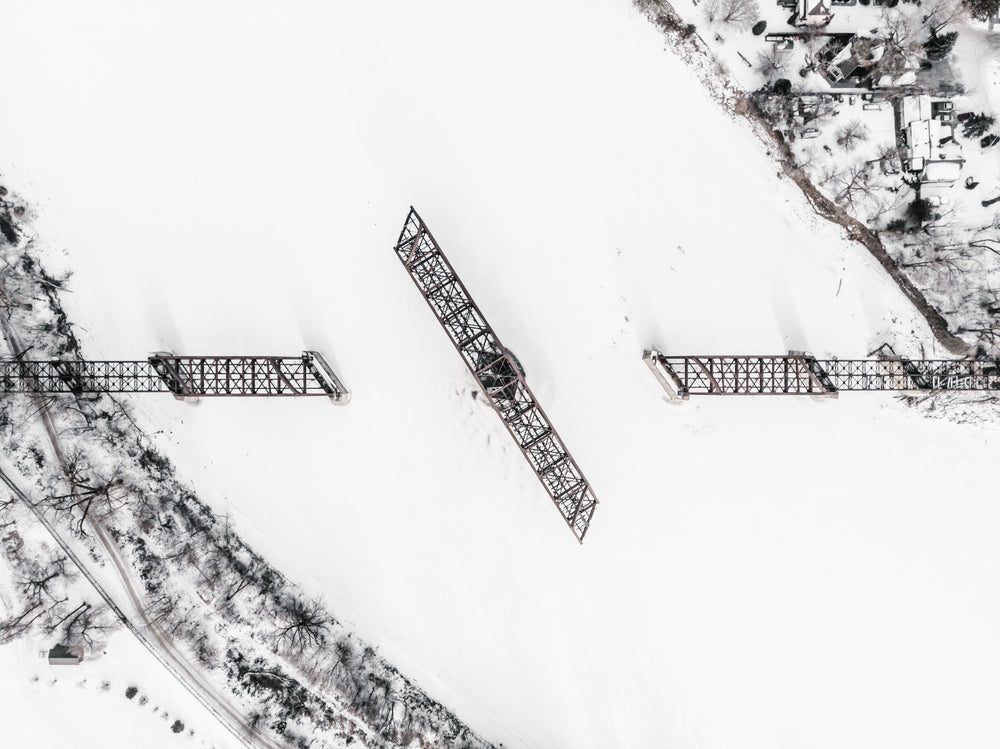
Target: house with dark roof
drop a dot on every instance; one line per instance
(813, 13)
(61, 655)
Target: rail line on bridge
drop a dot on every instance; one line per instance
(798, 373)
(186, 377)
(498, 373)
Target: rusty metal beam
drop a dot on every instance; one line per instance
(497, 373)
(798, 373)
(184, 376)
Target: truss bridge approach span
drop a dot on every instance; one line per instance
(802, 374)
(186, 377)
(498, 374)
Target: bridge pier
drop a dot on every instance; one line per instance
(161, 361)
(668, 379)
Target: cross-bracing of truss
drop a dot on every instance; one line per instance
(184, 376)
(497, 373)
(802, 374)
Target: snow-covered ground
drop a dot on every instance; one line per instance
(86, 706)
(230, 178)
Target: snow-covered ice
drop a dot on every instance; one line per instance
(230, 178)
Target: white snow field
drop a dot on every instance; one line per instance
(231, 177)
(86, 707)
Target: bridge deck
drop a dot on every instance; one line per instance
(802, 374)
(185, 376)
(498, 374)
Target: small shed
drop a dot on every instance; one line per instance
(61, 655)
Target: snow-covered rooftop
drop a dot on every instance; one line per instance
(915, 108)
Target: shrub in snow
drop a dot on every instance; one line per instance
(983, 10)
(939, 45)
(920, 210)
(177, 727)
(977, 124)
(758, 28)
(131, 692)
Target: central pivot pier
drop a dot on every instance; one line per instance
(498, 374)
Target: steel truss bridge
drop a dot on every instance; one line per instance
(186, 377)
(801, 374)
(498, 374)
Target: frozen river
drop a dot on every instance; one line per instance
(766, 573)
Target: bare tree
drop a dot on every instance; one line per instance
(822, 109)
(738, 14)
(37, 580)
(851, 135)
(301, 624)
(772, 61)
(896, 46)
(812, 40)
(899, 30)
(807, 158)
(944, 219)
(885, 152)
(12, 290)
(102, 495)
(41, 585)
(939, 13)
(84, 627)
(950, 261)
(881, 204)
(854, 186)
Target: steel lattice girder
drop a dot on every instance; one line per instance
(186, 376)
(497, 373)
(802, 374)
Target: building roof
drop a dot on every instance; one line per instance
(915, 108)
(847, 67)
(932, 148)
(814, 12)
(62, 654)
(942, 171)
(924, 140)
(890, 80)
(918, 139)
